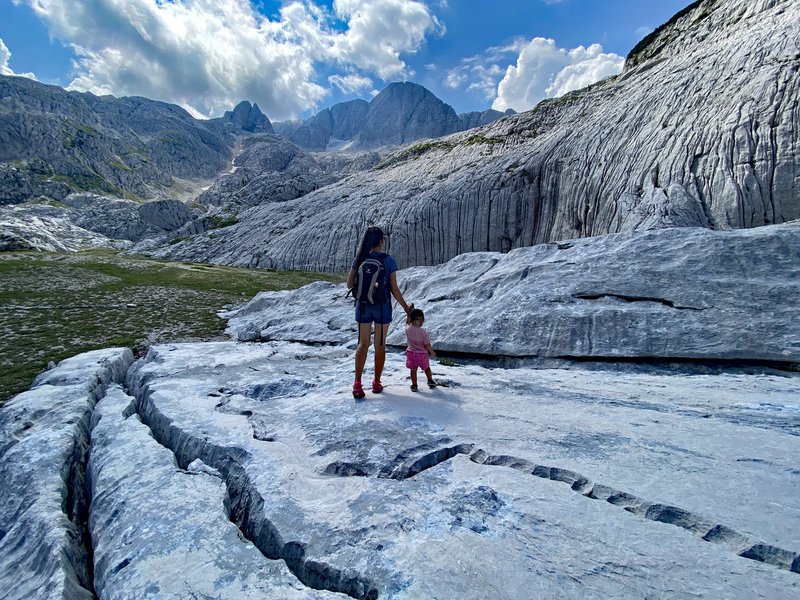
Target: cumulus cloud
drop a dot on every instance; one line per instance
(543, 70)
(5, 57)
(206, 55)
(521, 74)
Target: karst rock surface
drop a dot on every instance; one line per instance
(85, 220)
(680, 293)
(233, 470)
(701, 129)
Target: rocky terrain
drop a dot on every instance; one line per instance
(680, 293)
(402, 113)
(247, 470)
(88, 220)
(699, 130)
(54, 142)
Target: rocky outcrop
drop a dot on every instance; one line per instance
(686, 294)
(341, 122)
(234, 471)
(269, 169)
(87, 221)
(473, 119)
(247, 117)
(45, 546)
(405, 112)
(702, 133)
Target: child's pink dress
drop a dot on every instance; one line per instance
(416, 354)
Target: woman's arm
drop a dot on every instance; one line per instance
(396, 291)
(351, 279)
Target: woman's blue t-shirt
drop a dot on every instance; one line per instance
(388, 261)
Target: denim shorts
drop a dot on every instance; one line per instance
(374, 313)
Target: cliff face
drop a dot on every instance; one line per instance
(701, 129)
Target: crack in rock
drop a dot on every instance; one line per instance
(625, 298)
(663, 513)
(245, 505)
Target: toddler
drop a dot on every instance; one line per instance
(419, 347)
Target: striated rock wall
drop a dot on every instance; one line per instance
(702, 132)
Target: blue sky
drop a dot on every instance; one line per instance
(296, 57)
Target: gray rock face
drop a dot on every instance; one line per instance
(405, 112)
(53, 142)
(473, 119)
(87, 221)
(269, 169)
(341, 121)
(402, 113)
(668, 294)
(704, 134)
(247, 117)
(44, 440)
(246, 470)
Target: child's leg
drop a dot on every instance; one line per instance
(414, 377)
(429, 375)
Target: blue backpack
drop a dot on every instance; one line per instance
(371, 285)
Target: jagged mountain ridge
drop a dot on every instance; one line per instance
(402, 113)
(701, 129)
(55, 142)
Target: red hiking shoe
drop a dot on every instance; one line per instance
(358, 391)
(377, 388)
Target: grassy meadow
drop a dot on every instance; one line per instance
(53, 306)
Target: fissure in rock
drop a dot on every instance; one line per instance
(663, 513)
(245, 506)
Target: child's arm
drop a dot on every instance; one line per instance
(430, 350)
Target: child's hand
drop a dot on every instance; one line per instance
(432, 352)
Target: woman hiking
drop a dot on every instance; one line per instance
(373, 280)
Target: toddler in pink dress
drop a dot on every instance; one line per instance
(419, 348)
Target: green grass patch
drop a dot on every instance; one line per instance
(482, 139)
(53, 306)
(218, 222)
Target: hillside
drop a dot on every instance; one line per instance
(701, 129)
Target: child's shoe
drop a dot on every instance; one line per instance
(377, 388)
(414, 388)
(432, 383)
(358, 391)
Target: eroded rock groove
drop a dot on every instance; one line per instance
(663, 513)
(245, 505)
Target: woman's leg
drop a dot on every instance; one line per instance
(363, 348)
(381, 330)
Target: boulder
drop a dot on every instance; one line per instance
(680, 293)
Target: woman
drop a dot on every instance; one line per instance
(372, 246)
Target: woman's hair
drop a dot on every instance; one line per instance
(372, 237)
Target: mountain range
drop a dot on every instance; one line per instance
(699, 130)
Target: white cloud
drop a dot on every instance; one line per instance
(5, 57)
(350, 83)
(207, 55)
(522, 73)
